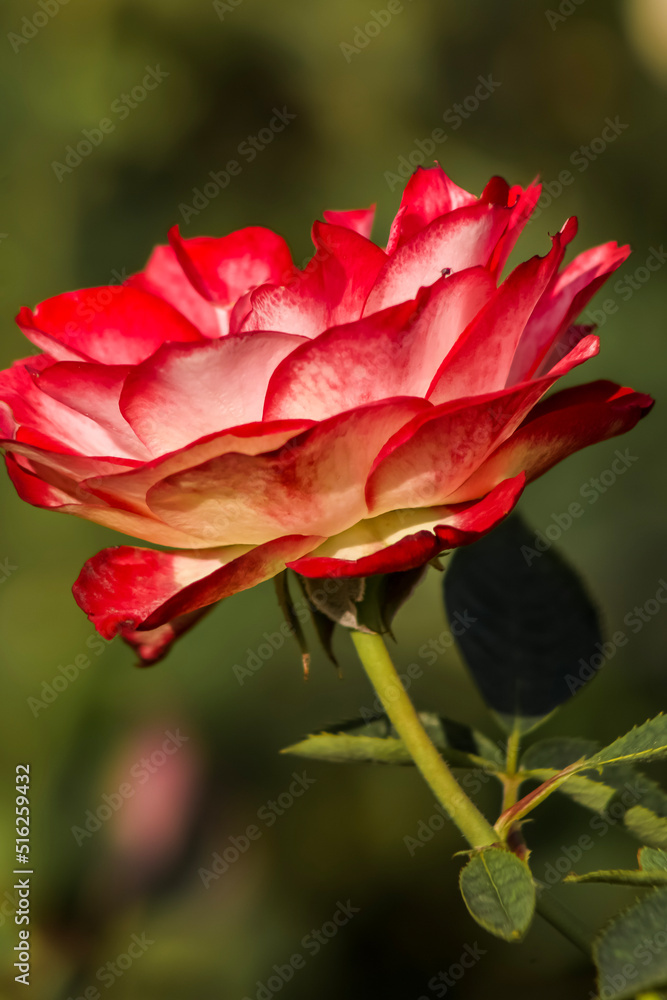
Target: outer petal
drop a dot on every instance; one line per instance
(557, 427)
(125, 589)
(94, 391)
(391, 353)
(405, 539)
(481, 359)
(65, 428)
(128, 489)
(523, 203)
(42, 487)
(223, 269)
(428, 459)
(183, 393)
(466, 237)
(358, 219)
(330, 290)
(313, 485)
(428, 194)
(560, 305)
(163, 276)
(118, 325)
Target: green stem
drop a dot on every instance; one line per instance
(384, 678)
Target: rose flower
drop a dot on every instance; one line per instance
(355, 417)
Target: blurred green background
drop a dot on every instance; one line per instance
(558, 74)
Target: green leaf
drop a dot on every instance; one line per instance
(376, 742)
(556, 753)
(645, 742)
(525, 624)
(499, 891)
(642, 879)
(636, 799)
(652, 861)
(630, 953)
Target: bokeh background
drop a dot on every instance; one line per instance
(558, 74)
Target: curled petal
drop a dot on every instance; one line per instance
(405, 539)
(125, 589)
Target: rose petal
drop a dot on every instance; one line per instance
(405, 539)
(558, 426)
(331, 289)
(163, 276)
(222, 269)
(116, 325)
(315, 481)
(183, 393)
(359, 219)
(481, 358)
(429, 458)
(428, 194)
(560, 305)
(94, 391)
(125, 589)
(391, 353)
(465, 237)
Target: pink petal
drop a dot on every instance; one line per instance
(391, 353)
(406, 539)
(359, 219)
(523, 204)
(125, 589)
(560, 305)
(116, 325)
(163, 276)
(428, 194)
(429, 458)
(481, 359)
(42, 486)
(312, 485)
(465, 237)
(186, 392)
(331, 289)
(558, 426)
(129, 489)
(37, 412)
(94, 391)
(222, 269)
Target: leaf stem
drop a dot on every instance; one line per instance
(384, 678)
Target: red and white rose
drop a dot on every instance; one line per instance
(352, 418)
